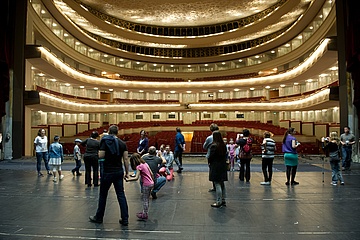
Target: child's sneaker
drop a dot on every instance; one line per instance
(61, 177)
(265, 183)
(54, 180)
(142, 216)
(334, 183)
(342, 183)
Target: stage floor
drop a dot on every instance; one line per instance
(37, 208)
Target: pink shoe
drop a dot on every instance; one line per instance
(142, 216)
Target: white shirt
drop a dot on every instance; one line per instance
(41, 144)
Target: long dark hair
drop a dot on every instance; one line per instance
(136, 160)
(289, 131)
(218, 140)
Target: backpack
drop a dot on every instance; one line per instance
(245, 151)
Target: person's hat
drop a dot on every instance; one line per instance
(56, 137)
(78, 140)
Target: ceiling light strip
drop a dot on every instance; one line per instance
(266, 80)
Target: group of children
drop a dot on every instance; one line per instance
(56, 157)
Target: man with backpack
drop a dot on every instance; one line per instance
(245, 154)
(115, 153)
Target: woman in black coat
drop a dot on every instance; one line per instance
(218, 168)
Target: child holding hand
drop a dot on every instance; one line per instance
(147, 180)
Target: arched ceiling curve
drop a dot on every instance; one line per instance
(180, 12)
(131, 10)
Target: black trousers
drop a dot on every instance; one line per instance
(267, 164)
(245, 169)
(91, 162)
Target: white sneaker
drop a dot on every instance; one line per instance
(54, 180)
(333, 183)
(342, 183)
(265, 183)
(61, 177)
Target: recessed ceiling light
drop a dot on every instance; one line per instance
(252, 89)
(126, 90)
(156, 91)
(282, 85)
(103, 72)
(121, 60)
(188, 91)
(223, 63)
(43, 11)
(204, 91)
(154, 64)
(206, 65)
(77, 43)
(82, 86)
(110, 89)
(287, 45)
(311, 27)
(66, 35)
(272, 51)
(171, 65)
(54, 24)
(308, 80)
(91, 50)
(221, 90)
(67, 84)
(240, 60)
(137, 62)
(295, 83)
(236, 89)
(257, 56)
(189, 65)
(267, 87)
(105, 55)
(299, 37)
(41, 74)
(53, 80)
(333, 68)
(172, 91)
(141, 91)
(95, 88)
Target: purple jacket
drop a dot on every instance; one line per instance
(287, 146)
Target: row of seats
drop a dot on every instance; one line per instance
(168, 138)
(249, 99)
(238, 76)
(139, 101)
(71, 97)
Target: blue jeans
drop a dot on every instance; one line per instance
(220, 192)
(116, 178)
(336, 172)
(346, 156)
(178, 158)
(160, 182)
(77, 166)
(39, 156)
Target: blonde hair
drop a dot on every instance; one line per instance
(334, 136)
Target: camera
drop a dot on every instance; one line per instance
(326, 139)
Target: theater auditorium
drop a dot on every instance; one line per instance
(72, 67)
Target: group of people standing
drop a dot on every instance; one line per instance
(154, 167)
(219, 154)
